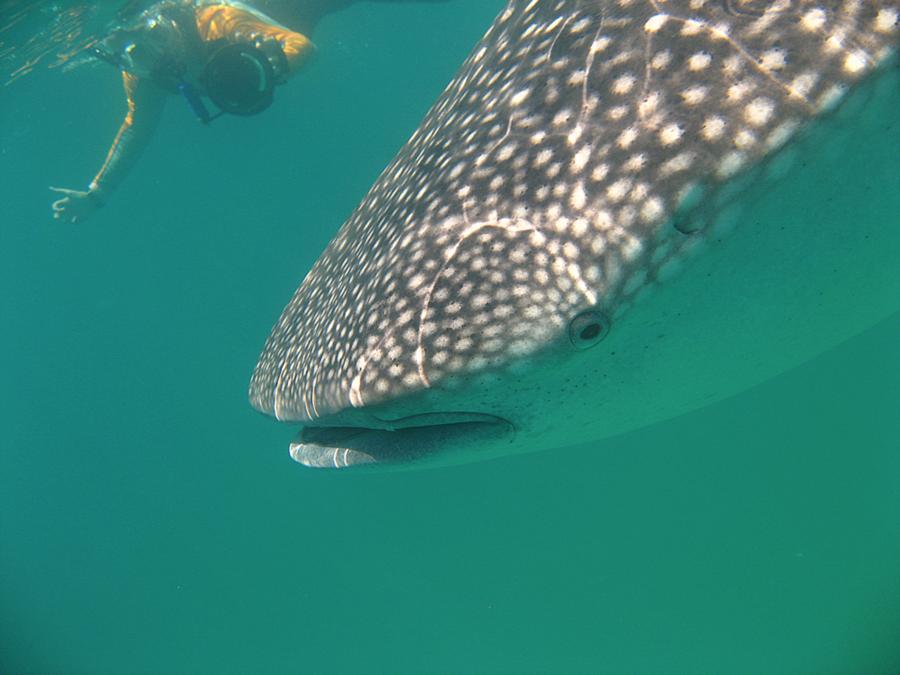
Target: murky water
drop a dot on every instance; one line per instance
(151, 522)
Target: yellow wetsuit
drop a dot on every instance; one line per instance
(146, 99)
(215, 22)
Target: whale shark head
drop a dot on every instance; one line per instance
(565, 247)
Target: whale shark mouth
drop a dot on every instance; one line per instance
(414, 439)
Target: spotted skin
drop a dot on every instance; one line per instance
(584, 150)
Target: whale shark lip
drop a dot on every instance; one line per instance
(412, 439)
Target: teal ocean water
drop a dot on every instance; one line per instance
(152, 522)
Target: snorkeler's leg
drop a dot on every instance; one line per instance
(300, 16)
(146, 101)
(303, 16)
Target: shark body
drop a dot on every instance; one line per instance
(617, 211)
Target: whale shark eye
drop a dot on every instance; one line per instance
(587, 329)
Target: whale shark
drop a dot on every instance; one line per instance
(618, 211)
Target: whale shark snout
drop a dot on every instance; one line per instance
(617, 211)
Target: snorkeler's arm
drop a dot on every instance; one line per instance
(145, 106)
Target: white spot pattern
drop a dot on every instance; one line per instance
(546, 180)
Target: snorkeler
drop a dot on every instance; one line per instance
(225, 51)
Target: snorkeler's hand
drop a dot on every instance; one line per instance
(76, 205)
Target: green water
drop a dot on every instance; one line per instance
(151, 522)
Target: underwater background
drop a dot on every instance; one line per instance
(152, 522)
